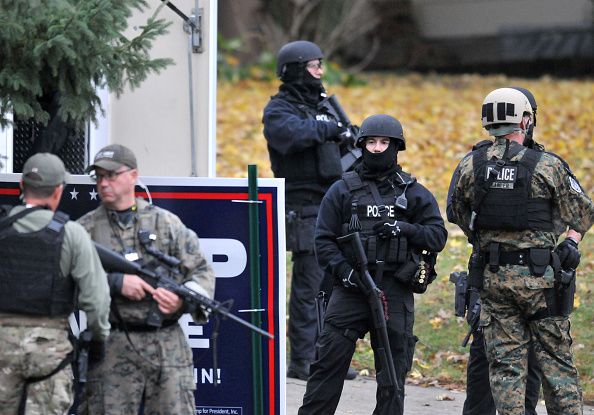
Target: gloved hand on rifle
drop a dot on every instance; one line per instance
(351, 280)
(343, 135)
(387, 230)
(569, 255)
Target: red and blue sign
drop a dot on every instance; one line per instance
(217, 211)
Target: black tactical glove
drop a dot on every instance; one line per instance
(569, 255)
(388, 230)
(343, 135)
(351, 280)
(96, 352)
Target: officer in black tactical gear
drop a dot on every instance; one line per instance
(304, 143)
(398, 219)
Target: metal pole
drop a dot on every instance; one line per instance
(193, 171)
(255, 287)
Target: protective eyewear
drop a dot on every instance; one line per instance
(109, 176)
(314, 65)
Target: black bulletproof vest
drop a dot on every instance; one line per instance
(30, 281)
(318, 164)
(366, 211)
(507, 204)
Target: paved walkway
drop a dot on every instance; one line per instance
(358, 397)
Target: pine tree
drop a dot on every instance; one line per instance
(54, 54)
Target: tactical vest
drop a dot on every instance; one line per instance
(368, 207)
(30, 280)
(319, 163)
(507, 204)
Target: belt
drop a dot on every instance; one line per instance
(131, 327)
(520, 257)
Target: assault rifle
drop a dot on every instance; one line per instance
(353, 153)
(387, 375)
(115, 262)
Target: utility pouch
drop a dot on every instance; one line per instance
(460, 280)
(539, 260)
(291, 227)
(407, 272)
(476, 270)
(566, 292)
(398, 250)
(300, 229)
(328, 160)
(425, 273)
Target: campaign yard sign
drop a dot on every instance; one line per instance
(217, 210)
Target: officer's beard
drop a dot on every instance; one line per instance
(379, 164)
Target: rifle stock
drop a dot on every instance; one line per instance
(115, 262)
(353, 153)
(386, 376)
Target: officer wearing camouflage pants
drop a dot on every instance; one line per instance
(514, 203)
(143, 364)
(45, 260)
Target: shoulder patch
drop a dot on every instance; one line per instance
(575, 186)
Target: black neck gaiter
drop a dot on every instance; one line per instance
(299, 82)
(379, 164)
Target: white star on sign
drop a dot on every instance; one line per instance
(93, 195)
(74, 194)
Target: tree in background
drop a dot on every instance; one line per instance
(55, 54)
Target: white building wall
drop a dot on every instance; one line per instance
(440, 19)
(154, 120)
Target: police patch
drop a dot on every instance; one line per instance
(575, 186)
(506, 177)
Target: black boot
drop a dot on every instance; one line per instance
(298, 369)
(351, 374)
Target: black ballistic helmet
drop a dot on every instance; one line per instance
(299, 51)
(531, 99)
(381, 125)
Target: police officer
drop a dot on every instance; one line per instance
(143, 364)
(479, 400)
(304, 147)
(48, 264)
(514, 203)
(398, 218)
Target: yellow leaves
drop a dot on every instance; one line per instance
(436, 322)
(440, 115)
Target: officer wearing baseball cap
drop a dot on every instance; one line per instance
(133, 376)
(44, 170)
(47, 264)
(112, 157)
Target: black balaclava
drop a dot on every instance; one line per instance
(379, 164)
(298, 81)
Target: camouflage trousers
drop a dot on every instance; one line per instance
(160, 370)
(511, 297)
(27, 352)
